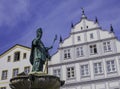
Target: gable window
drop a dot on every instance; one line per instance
(93, 49)
(67, 54)
(79, 51)
(2, 87)
(27, 69)
(9, 58)
(15, 72)
(107, 46)
(4, 74)
(111, 66)
(91, 36)
(16, 56)
(78, 38)
(70, 72)
(81, 28)
(86, 26)
(24, 55)
(98, 68)
(84, 70)
(57, 72)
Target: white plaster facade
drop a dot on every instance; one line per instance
(11, 64)
(98, 63)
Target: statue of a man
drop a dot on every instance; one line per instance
(39, 53)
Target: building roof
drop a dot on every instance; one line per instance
(16, 45)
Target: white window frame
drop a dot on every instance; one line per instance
(98, 68)
(91, 36)
(17, 56)
(57, 72)
(24, 55)
(78, 38)
(4, 74)
(84, 69)
(93, 49)
(9, 59)
(67, 54)
(70, 72)
(107, 46)
(15, 72)
(79, 51)
(111, 66)
(27, 69)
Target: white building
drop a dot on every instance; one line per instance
(13, 61)
(89, 58)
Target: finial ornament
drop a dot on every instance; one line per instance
(111, 28)
(61, 39)
(82, 10)
(72, 26)
(96, 20)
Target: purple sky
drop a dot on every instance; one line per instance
(19, 19)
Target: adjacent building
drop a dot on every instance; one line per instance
(88, 59)
(15, 60)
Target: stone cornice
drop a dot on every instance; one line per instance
(92, 81)
(86, 30)
(86, 43)
(84, 59)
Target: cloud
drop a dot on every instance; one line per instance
(12, 10)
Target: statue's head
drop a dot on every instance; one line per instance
(39, 32)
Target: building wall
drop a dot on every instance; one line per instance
(9, 66)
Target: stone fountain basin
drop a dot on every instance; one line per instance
(36, 81)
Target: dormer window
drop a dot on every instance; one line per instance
(24, 55)
(78, 38)
(67, 54)
(91, 36)
(81, 28)
(16, 56)
(86, 26)
(9, 58)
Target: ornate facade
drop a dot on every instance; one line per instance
(89, 58)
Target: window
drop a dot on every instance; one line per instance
(16, 56)
(107, 46)
(67, 54)
(15, 72)
(93, 49)
(78, 38)
(70, 72)
(84, 70)
(79, 51)
(24, 55)
(111, 66)
(4, 74)
(81, 28)
(86, 26)
(91, 36)
(9, 58)
(98, 68)
(2, 87)
(27, 69)
(57, 72)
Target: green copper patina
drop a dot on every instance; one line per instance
(39, 53)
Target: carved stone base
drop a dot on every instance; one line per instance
(36, 81)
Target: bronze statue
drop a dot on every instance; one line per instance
(39, 53)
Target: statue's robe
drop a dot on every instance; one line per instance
(38, 52)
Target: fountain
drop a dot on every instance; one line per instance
(39, 77)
